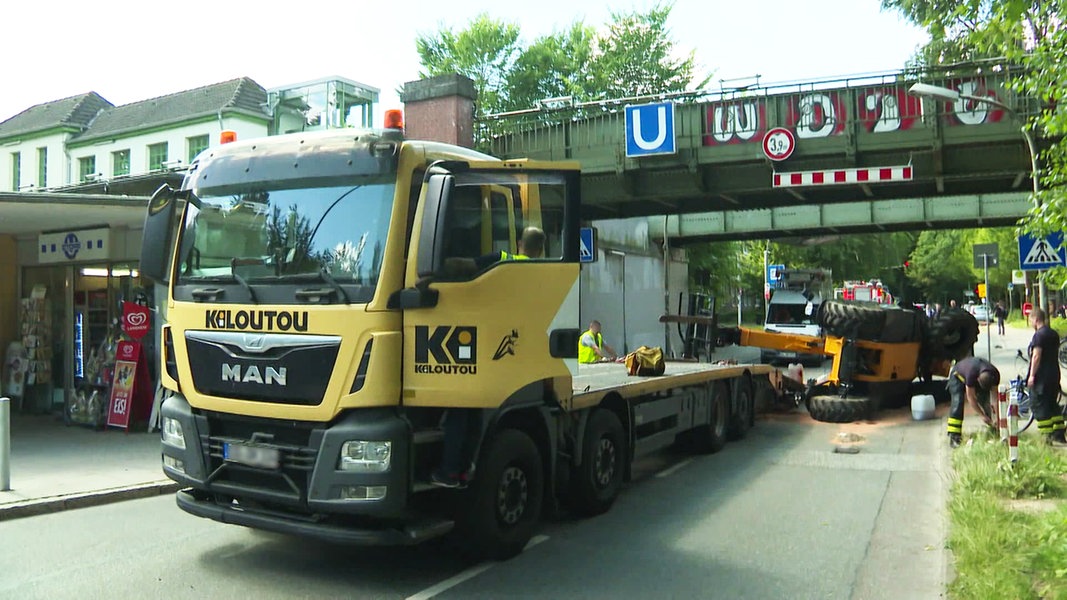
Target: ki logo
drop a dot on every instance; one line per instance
(454, 350)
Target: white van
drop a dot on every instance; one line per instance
(789, 312)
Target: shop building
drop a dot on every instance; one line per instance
(74, 180)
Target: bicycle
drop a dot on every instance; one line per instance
(1018, 384)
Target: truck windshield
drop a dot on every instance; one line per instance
(267, 236)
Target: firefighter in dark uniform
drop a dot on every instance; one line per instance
(967, 379)
(1044, 378)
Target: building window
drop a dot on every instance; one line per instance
(86, 168)
(120, 163)
(16, 171)
(157, 155)
(42, 168)
(196, 144)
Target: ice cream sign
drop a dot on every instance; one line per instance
(73, 246)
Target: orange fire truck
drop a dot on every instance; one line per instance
(866, 291)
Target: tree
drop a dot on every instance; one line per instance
(485, 51)
(1030, 33)
(636, 58)
(634, 55)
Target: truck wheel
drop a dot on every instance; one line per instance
(711, 437)
(503, 506)
(835, 409)
(741, 415)
(598, 479)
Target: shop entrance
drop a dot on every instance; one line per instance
(69, 322)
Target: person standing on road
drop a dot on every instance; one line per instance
(1000, 313)
(967, 379)
(1044, 378)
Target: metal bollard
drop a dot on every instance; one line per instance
(5, 444)
(1002, 412)
(1013, 429)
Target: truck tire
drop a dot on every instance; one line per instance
(856, 320)
(952, 334)
(598, 479)
(741, 411)
(835, 409)
(503, 504)
(711, 437)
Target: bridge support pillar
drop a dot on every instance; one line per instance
(440, 109)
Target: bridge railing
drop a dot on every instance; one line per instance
(857, 104)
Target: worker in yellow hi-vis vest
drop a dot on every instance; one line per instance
(591, 346)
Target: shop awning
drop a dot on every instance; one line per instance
(35, 212)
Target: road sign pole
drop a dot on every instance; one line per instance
(988, 350)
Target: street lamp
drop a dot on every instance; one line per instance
(936, 92)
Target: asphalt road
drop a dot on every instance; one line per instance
(777, 515)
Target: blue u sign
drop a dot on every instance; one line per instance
(650, 129)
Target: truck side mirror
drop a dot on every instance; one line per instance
(158, 234)
(431, 246)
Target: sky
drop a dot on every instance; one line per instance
(132, 50)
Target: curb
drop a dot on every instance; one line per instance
(43, 506)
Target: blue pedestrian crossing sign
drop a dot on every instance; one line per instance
(650, 129)
(1036, 254)
(586, 245)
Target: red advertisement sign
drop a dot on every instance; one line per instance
(131, 396)
(135, 320)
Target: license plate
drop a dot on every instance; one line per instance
(787, 354)
(253, 456)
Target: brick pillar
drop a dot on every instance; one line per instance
(440, 109)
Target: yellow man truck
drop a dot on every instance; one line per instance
(317, 335)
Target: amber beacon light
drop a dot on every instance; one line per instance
(227, 136)
(394, 119)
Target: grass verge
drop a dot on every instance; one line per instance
(1008, 528)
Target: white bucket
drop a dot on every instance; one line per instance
(922, 407)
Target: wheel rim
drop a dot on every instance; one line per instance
(512, 495)
(605, 462)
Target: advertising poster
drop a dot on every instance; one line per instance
(127, 358)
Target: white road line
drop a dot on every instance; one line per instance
(470, 573)
(675, 468)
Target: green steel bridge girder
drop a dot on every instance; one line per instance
(970, 165)
(940, 212)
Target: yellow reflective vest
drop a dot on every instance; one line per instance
(587, 354)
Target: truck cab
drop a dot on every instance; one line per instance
(791, 311)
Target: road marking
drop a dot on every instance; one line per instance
(470, 573)
(675, 468)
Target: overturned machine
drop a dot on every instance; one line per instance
(881, 355)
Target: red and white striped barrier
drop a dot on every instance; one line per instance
(1002, 412)
(843, 176)
(1013, 429)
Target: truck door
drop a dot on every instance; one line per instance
(491, 320)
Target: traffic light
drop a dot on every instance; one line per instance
(907, 264)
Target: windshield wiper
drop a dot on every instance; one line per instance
(333, 283)
(242, 281)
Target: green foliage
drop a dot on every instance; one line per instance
(1029, 33)
(633, 55)
(485, 51)
(1001, 549)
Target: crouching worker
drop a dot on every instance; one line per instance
(967, 379)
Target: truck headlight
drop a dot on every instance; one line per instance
(172, 433)
(365, 457)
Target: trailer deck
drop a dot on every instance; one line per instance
(596, 380)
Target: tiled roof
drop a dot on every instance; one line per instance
(243, 95)
(76, 111)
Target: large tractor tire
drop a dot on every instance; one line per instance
(903, 325)
(856, 320)
(835, 409)
(952, 334)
